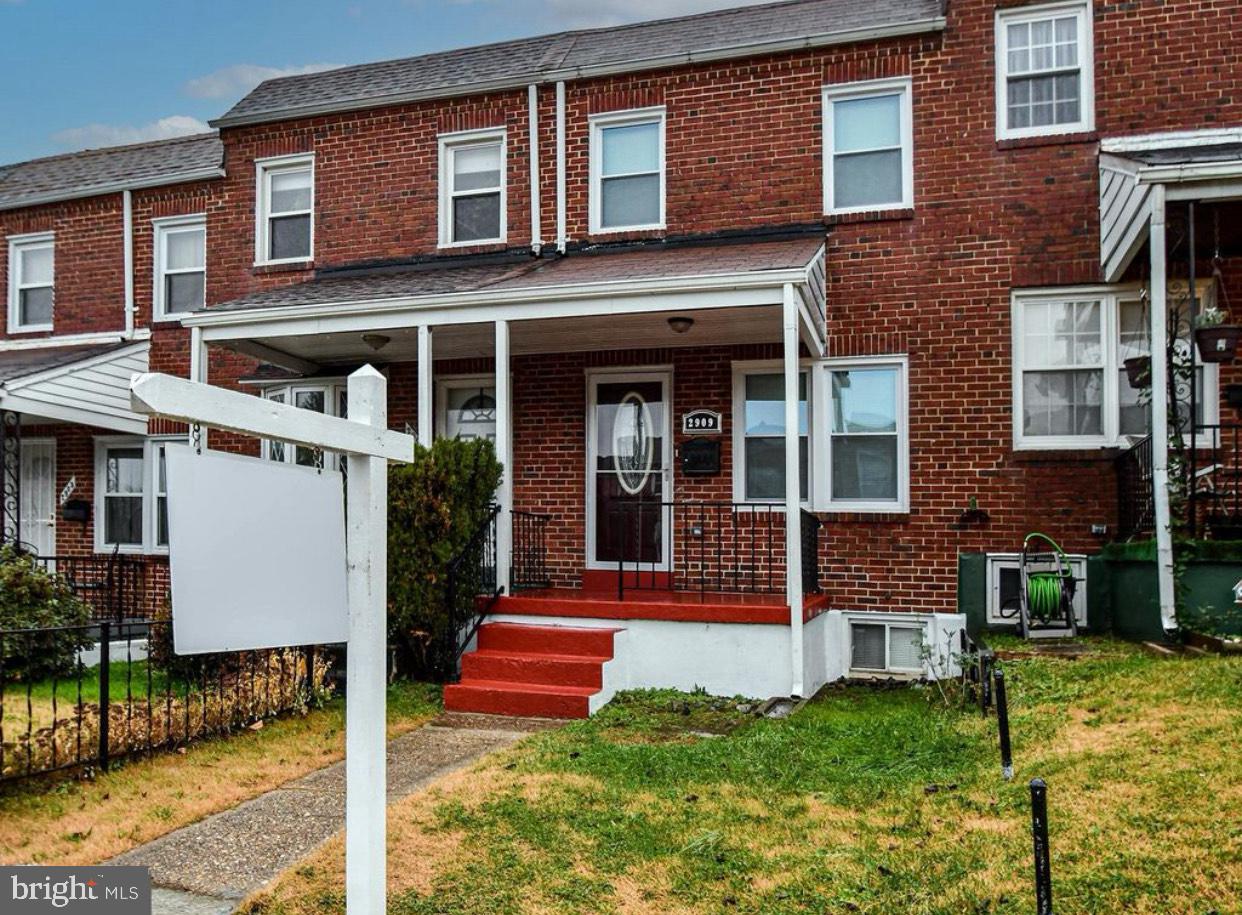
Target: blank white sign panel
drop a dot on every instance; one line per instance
(257, 553)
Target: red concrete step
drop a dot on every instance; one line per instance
(528, 667)
(500, 697)
(518, 638)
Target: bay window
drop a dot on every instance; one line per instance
(131, 493)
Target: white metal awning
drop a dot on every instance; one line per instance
(75, 384)
(1196, 165)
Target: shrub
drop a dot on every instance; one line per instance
(435, 505)
(33, 598)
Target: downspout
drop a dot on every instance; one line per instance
(536, 229)
(127, 233)
(560, 167)
(1160, 411)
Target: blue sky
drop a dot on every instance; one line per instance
(88, 73)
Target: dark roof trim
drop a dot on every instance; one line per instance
(822, 40)
(115, 187)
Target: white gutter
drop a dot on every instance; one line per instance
(98, 190)
(560, 167)
(728, 52)
(536, 230)
(1189, 171)
(90, 339)
(127, 245)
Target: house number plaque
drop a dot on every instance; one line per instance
(701, 422)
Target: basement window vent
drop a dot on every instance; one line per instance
(886, 648)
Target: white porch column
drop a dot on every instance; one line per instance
(426, 403)
(504, 451)
(793, 492)
(1160, 409)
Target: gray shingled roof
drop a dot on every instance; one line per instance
(515, 274)
(102, 171)
(16, 364)
(645, 45)
(1188, 155)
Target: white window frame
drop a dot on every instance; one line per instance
(447, 383)
(889, 621)
(1109, 298)
(770, 367)
(331, 388)
(1086, 67)
(900, 86)
(449, 144)
(998, 561)
(264, 169)
(631, 117)
(18, 244)
(823, 465)
(150, 491)
(162, 229)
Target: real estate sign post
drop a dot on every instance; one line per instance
(368, 446)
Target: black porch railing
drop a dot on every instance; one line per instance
(1136, 493)
(729, 547)
(529, 564)
(115, 587)
(471, 589)
(80, 697)
(1214, 489)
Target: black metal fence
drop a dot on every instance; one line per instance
(529, 565)
(1214, 491)
(81, 697)
(1136, 493)
(471, 589)
(115, 587)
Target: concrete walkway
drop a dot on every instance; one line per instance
(209, 866)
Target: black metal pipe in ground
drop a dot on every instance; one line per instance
(105, 692)
(1002, 723)
(1039, 834)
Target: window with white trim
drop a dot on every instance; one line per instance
(180, 266)
(131, 493)
(32, 278)
(1071, 387)
(883, 647)
(866, 435)
(759, 434)
(868, 146)
(627, 170)
(285, 209)
(1044, 70)
(323, 397)
(472, 188)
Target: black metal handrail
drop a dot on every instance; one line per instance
(471, 589)
(1136, 493)
(528, 566)
(714, 546)
(1214, 490)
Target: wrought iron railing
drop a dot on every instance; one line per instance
(1214, 487)
(1136, 494)
(708, 546)
(529, 565)
(471, 588)
(115, 587)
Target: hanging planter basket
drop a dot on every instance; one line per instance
(1138, 372)
(1218, 343)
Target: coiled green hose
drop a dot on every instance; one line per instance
(1045, 591)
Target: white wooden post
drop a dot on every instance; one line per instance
(426, 406)
(793, 492)
(504, 452)
(365, 698)
(1160, 410)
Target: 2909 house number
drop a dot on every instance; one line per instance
(701, 422)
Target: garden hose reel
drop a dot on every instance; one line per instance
(1046, 590)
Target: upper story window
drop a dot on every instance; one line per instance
(1071, 388)
(1044, 70)
(180, 266)
(32, 275)
(472, 188)
(627, 170)
(285, 209)
(868, 147)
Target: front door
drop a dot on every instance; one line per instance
(38, 494)
(629, 464)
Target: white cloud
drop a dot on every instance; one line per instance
(92, 136)
(235, 81)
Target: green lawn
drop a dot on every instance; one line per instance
(878, 801)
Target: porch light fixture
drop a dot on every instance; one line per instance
(680, 325)
(376, 341)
